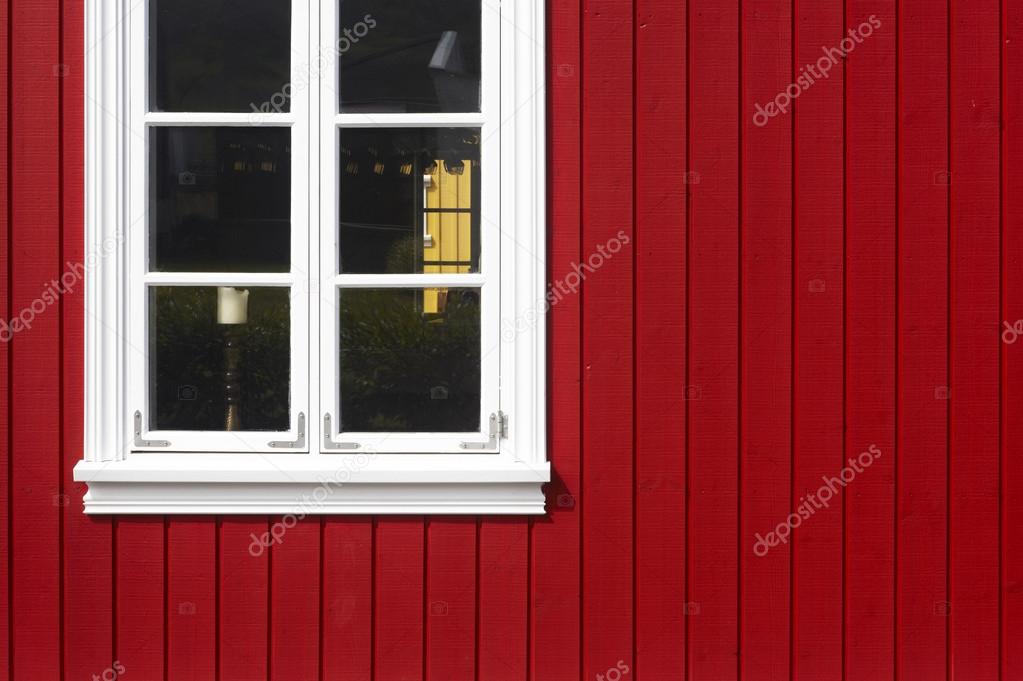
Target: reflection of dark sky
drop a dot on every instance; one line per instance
(219, 55)
(388, 69)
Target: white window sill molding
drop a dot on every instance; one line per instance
(312, 485)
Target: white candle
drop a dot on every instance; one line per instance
(232, 305)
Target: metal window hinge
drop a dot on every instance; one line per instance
(328, 442)
(139, 442)
(498, 430)
(296, 444)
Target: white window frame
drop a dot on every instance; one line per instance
(505, 466)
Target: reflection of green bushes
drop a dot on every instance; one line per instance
(406, 371)
(187, 356)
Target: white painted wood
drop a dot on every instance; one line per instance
(410, 280)
(140, 279)
(488, 120)
(416, 120)
(412, 498)
(250, 119)
(513, 282)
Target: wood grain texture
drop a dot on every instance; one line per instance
(6, 180)
(607, 338)
(242, 598)
(347, 594)
(35, 415)
(503, 600)
(818, 333)
(451, 599)
(712, 383)
(295, 600)
(870, 343)
(659, 320)
(765, 409)
(191, 598)
(140, 589)
(975, 340)
(399, 599)
(922, 598)
(1011, 488)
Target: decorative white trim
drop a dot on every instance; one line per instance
(123, 479)
(485, 498)
(282, 483)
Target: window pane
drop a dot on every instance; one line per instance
(221, 200)
(410, 360)
(220, 55)
(410, 200)
(207, 375)
(410, 57)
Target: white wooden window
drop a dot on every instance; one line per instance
(313, 230)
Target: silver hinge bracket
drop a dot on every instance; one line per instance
(139, 442)
(498, 430)
(329, 443)
(299, 443)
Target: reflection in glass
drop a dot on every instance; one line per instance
(410, 57)
(410, 200)
(221, 199)
(212, 349)
(220, 55)
(410, 360)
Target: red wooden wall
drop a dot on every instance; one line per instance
(792, 294)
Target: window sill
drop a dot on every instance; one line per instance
(312, 485)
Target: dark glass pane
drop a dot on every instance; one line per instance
(410, 57)
(410, 200)
(220, 55)
(221, 200)
(196, 363)
(410, 360)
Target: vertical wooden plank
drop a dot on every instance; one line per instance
(242, 601)
(5, 338)
(766, 340)
(922, 578)
(451, 599)
(503, 599)
(347, 599)
(141, 596)
(870, 358)
(607, 336)
(975, 339)
(660, 297)
(818, 329)
(398, 600)
(295, 600)
(555, 558)
(35, 351)
(1011, 555)
(87, 568)
(712, 382)
(191, 599)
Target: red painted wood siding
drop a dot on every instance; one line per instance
(791, 295)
